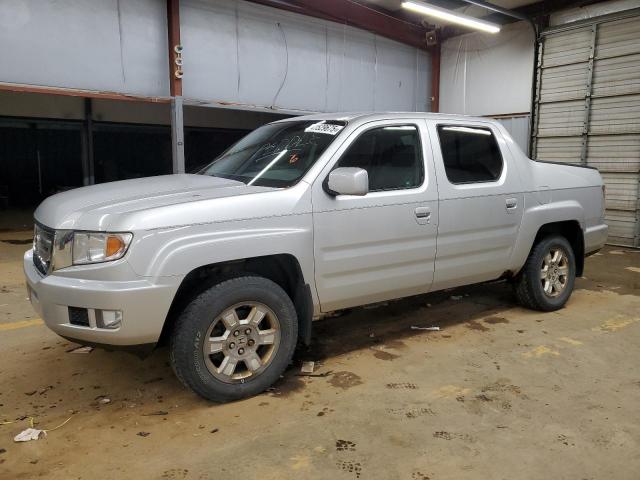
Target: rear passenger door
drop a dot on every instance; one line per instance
(381, 245)
(480, 201)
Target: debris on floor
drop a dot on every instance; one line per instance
(143, 434)
(29, 434)
(307, 367)
(429, 329)
(456, 297)
(85, 349)
(32, 433)
(159, 413)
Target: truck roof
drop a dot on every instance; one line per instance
(372, 116)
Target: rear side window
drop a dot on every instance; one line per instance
(391, 156)
(470, 154)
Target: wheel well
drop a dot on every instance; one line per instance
(282, 269)
(570, 230)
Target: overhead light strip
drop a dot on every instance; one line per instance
(449, 16)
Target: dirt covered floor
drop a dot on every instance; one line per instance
(500, 392)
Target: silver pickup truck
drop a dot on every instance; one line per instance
(301, 218)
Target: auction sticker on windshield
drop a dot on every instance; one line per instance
(321, 127)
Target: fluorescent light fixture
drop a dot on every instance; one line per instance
(450, 16)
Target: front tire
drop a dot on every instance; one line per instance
(235, 339)
(546, 281)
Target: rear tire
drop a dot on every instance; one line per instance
(235, 339)
(546, 281)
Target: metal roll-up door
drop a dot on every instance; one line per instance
(587, 109)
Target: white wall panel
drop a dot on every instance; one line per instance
(484, 74)
(253, 56)
(107, 45)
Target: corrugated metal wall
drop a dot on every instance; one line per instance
(587, 110)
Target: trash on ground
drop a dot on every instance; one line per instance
(29, 434)
(143, 434)
(429, 329)
(104, 400)
(456, 297)
(323, 374)
(85, 349)
(158, 413)
(307, 367)
(215, 430)
(3, 450)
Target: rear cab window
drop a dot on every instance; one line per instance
(470, 154)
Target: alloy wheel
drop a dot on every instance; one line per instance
(241, 342)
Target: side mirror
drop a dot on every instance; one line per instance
(348, 181)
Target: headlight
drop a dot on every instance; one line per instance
(93, 247)
(82, 248)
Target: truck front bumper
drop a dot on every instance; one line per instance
(142, 304)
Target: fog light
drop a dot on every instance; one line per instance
(110, 319)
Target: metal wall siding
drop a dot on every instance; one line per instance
(559, 149)
(614, 153)
(588, 111)
(617, 76)
(566, 48)
(561, 118)
(564, 82)
(618, 38)
(615, 115)
(622, 190)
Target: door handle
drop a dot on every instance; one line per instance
(423, 215)
(511, 204)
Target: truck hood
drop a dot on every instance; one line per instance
(102, 207)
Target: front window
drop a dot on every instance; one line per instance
(277, 154)
(391, 155)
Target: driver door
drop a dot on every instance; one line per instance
(381, 245)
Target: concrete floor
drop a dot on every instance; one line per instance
(500, 392)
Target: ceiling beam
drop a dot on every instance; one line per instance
(538, 11)
(348, 12)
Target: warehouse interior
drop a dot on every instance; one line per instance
(458, 384)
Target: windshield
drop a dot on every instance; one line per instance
(277, 154)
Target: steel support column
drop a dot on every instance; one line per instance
(535, 104)
(587, 96)
(177, 135)
(435, 77)
(175, 85)
(88, 166)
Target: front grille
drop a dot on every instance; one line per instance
(79, 316)
(42, 247)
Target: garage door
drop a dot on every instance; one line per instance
(587, 110)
